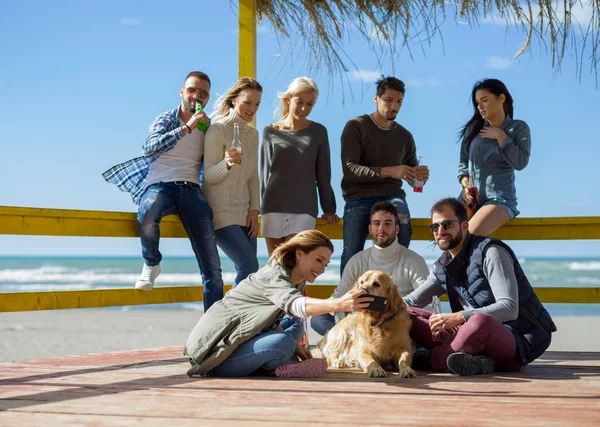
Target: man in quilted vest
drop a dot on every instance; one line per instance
(497, 322)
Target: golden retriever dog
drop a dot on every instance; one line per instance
(369, 339)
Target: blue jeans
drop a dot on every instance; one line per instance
(293, 326)
(196, 216)
(323, 323)
(267, 351)
(357, 213)
(240, 248)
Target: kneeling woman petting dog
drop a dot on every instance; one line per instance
(241, 334)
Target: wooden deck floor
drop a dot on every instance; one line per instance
(149, 387)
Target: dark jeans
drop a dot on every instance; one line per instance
(482, 335)
(196, 216)
(240, 248)
(323, 323)
(357, 213)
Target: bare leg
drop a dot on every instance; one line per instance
(488, 219)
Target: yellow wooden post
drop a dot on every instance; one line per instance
(247, 38)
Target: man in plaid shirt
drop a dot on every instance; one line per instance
(166, 180)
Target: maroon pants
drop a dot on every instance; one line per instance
(482, 334)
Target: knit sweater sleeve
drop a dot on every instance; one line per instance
(354, 172)
(215, 143)
(323, 174)
(253, 180)
(416, 270)
(266, 154)
(354, 268)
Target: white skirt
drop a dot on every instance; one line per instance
(277, 225)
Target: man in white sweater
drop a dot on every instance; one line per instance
(407, 268)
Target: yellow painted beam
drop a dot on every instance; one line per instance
(247, 38)
(33, 301)
(66, 222)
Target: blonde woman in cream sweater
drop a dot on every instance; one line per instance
(231, 178)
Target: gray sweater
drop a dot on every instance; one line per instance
(366, 148)
(294, 164)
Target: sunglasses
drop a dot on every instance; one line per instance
(446, 225)
(202, 94)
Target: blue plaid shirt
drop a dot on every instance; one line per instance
(132, 176)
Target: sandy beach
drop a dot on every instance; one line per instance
(36, 335)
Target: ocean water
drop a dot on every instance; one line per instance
(38, 274)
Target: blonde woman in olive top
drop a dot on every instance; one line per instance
(230, 185)
(295, 163)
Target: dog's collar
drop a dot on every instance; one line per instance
(384, 321)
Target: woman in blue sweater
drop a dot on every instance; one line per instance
(494, 145)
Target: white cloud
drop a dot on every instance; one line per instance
(581, 13)
(130, 21)
(498, 63)
(365, 75)
(419, 82)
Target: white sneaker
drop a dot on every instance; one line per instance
(146, 280)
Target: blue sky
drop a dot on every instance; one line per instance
(81, 81)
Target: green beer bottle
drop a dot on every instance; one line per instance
(201, 125)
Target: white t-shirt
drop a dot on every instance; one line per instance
(182, 162)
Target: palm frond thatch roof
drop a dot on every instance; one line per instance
(319, 26)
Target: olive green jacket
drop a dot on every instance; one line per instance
(255, 305)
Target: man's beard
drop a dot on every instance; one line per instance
(189, 107)
(392, 118)
(452, 243)
(385, 243)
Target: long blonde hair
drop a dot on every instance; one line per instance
(224, 103)
(298, 85)
(305, 241)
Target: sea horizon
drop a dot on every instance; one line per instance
(43, 273)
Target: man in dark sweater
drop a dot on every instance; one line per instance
(377, 154)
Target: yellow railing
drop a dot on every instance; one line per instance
(62, 222)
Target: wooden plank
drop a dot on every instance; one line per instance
(65, 222)
(60, 300)
(146, 386)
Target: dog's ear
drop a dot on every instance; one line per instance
(394, 298)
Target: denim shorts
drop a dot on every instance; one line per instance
(512, 212)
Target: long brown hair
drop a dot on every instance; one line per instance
(305, 241)
(494, 86)
(225, 102)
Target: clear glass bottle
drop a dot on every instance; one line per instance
(236, 144)
(416, 184)
(436, 305)
(472, 192)
(436, 308)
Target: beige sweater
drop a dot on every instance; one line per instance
(232, 193)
